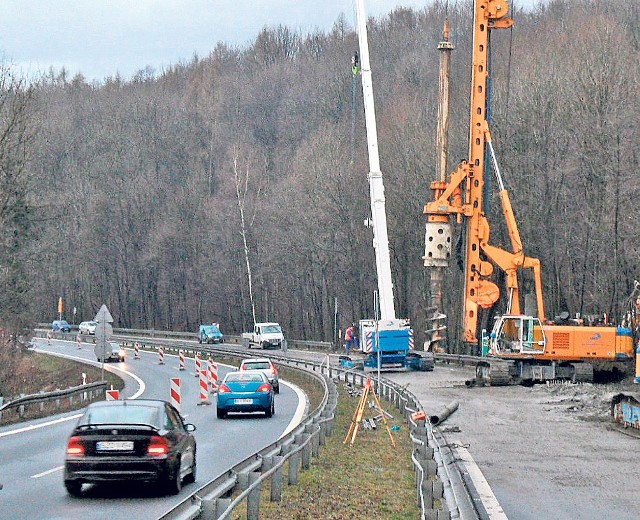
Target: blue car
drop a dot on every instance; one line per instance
(60, 326)
(247, 391)
(210, 334)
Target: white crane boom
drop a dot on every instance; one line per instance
(376, 187)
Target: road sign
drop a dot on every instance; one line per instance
(104, 331)
(103, 316)
(113, 395)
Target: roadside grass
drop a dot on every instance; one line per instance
(370, 479)
(36, 372)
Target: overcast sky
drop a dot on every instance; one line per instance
(101, 37)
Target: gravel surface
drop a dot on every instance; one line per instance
(548, 451)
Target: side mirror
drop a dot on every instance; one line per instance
(190, 427)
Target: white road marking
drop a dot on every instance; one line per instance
(141, 388)
(45, 473)
(299, 414)
(42, 425)
(489, 500)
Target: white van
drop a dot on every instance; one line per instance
(264, 335)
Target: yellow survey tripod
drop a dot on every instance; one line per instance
(359, 413)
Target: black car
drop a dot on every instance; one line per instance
(145, 440)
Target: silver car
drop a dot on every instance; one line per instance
(266, 366)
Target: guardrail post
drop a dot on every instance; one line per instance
(267, 463)
(253, 500)
(208, 510)
(322, 434)
(220, 506)
(306, 451)
(436, 514)
(438, 489)
(427, 493)
(276, 479)
(311, 429)
(294, 468)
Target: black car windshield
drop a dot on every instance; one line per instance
(122, 415)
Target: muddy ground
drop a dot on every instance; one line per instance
(548, 451)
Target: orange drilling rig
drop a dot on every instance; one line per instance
(521, 348)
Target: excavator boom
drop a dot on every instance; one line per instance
(522, 347)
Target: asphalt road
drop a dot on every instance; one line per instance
(547, 452)
(31, 457)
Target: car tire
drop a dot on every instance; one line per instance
(174, 483)
(191, 477)
(73, 487)
(271, 410)
(276, 389)
(221, 413)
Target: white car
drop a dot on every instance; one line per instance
(87, 327)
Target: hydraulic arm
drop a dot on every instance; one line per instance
(462, 195)
(376, 186)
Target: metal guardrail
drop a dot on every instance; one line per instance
(244, 481)
(437, 492)
(86, 392)
(157, 334)
(440, 488)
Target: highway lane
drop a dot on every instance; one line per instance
(31, 461)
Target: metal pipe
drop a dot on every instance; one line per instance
(444, 414)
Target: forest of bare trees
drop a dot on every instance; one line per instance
(125, 192)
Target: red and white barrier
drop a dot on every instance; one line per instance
(79, 340)
(84, 382)
(213, 376)
(181, 356)
(204, 388)
(136, 350)
(160, 356)
(48, 337)
(113, 395)
(175, 393)
(198, 364)
(368, 346)
(412, 345)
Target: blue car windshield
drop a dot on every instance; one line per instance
(211, 329)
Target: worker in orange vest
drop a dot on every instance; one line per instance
(350, 338)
